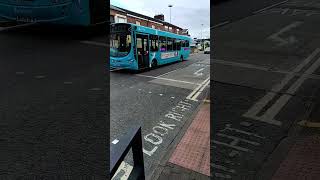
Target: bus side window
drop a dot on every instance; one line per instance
(162, 43)
(169, 44)
(178, 42)
(174, 44)
(155, 42)
(187, 43)
(156, 45)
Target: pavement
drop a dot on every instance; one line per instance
(53, 104)
(301, 152)
(189, 157)
(266, 78)
(162, 101)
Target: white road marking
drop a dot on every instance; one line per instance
(40, 77)
(290, 40)
(161, 94)
(172, 97)
(123, 172)
(262, 68)
(16, 26)
(95, 89)
(198, 72)
(169, 72)
(95, 43)
(197, 91)
(116, 69)
(115, 141)
(245, 65)
(19, 73)
(220, 24)
(271, 6)
(155, 77)
(269, 115)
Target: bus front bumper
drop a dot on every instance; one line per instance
(123, 64)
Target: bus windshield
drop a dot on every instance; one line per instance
(120, 44)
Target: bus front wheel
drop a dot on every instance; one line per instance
(154, 64)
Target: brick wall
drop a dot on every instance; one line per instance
(143, 22)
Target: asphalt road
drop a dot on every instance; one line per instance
(265, 76)
(53, 106)
(156, 100)
(233, 10)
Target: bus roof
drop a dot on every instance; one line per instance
(149, 30)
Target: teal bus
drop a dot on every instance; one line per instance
(138, 47)
(65, 12)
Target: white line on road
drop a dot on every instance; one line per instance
(220, 24)
(197, 91)
(115, 141)
(16, 26)
(95, 43)
(289, 40)
(245, 65)
(268, 7)
(263, 68)
(269, 115)
(197, 73)
(123, 172)
(174, 80)
(170, 72)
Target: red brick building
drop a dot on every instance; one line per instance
(118, 15)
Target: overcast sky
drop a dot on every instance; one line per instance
(187, 14)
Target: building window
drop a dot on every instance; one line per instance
(166, 28)
(153, 26)
(111, 19)
(177, 31)
(121, 20)
(170, 29)
(138, 23)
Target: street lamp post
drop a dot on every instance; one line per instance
(202, 37)
(170, 6)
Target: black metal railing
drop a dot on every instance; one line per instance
(118, 151)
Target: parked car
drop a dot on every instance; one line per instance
(207, 50)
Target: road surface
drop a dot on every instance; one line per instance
(162, 101)
(266, 75)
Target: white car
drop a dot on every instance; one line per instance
(207, 50)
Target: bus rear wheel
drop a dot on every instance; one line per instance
(154, 64)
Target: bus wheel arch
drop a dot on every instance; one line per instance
(154, 63)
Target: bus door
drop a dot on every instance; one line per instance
(142, 45)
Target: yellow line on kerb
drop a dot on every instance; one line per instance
(305, 123)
